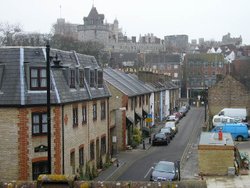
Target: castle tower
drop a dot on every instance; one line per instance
(94, 28)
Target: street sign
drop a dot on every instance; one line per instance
(149, 118)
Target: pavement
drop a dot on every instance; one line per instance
(189, 162)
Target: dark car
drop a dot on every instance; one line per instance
(160, 139)
(168, 131)
(165, 171)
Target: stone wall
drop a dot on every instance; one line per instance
(124, 184)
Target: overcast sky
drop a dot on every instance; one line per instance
(209, 19)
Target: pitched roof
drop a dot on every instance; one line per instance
(126, 83)
(15, 64)
(93, 14)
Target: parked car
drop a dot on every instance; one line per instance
(218, 120)
(172, 125)
(165, 171)
(177, 115)
(248, 127)
(239, 131)
(183, 110)
(171, 118)
(237, 113)
(168, 131)
(160, 139)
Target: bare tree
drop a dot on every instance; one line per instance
(7, 31)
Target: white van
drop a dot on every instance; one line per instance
(237, 113)
(218, 120)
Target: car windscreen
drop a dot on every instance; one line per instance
(165, 168)
(165, 130)
(159, 135)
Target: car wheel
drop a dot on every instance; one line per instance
(240, 138)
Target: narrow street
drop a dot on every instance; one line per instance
(189, 128)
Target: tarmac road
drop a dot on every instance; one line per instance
(140, 169)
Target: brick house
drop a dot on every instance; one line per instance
(79, 118)
(200, 71)
(228, 93)
(129, 106)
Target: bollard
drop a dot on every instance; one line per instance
(149, 140)
(143, 144)
(117, 163)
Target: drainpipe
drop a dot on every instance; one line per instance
(48, 106)
(63, 170)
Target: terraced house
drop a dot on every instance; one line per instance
(79, 113)
(129, 107)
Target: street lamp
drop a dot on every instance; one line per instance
(56, 62)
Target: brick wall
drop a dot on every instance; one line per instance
(9, 144)
(215, 160)
(23, 143)
(74, 137)
(57, 140)
(82, 134)
(227, 93)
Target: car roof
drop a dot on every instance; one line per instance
(160, 133)
(165, 128)
(166, 162)
(170, 123)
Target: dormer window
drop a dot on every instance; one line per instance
(81, 78)
(92, 78)
(100, 79)
(38, 78)
(1, 74)
(72, 78)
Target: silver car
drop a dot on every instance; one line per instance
(165, 171)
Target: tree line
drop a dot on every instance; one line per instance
(14, 35)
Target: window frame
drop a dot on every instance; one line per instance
(40, 123)
(38, 78)
(75, 116)
(72, 78)
(100, 79)
(81, 78)
(94, 111)
(92, 79)
(84, 114)
(103, 110)
(81, 156)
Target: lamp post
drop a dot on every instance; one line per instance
(48, 106)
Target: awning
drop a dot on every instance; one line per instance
(129, 121)
(144, 114)
(138, 117)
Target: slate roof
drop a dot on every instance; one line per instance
(126, 83)
(118, 58)
(15, 77)
(163, 85)
(93, 14)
